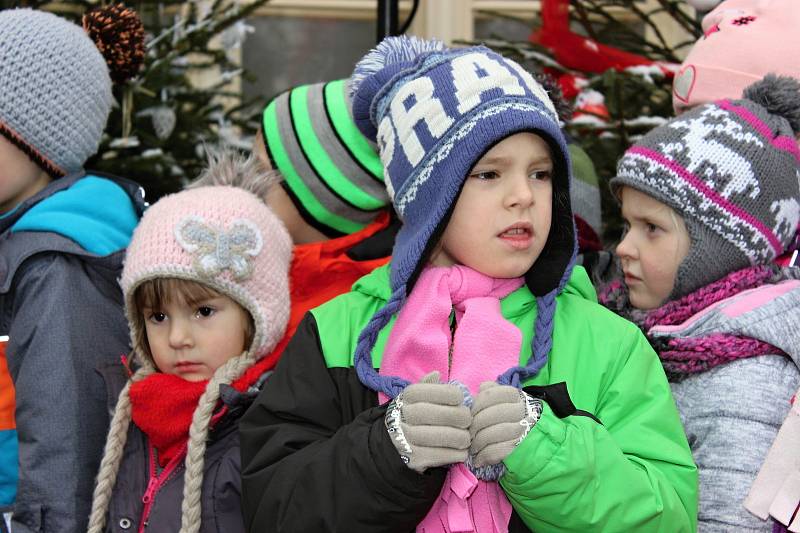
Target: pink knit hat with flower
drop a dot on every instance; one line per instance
(225, 238)
(743, 41)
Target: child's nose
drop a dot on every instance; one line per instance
(179, 334)
(625, 248)
(520, 193)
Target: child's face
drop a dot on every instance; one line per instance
(193, 340)
(502, 217)
(20, 178)
(655, 244)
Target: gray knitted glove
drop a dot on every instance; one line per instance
(501, 417)
(428, 423)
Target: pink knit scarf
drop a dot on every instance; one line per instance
(681, 356)
(484, 345)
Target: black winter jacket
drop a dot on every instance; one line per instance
(316, 456)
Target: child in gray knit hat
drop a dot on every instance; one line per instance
(63, 234)
(710, 199)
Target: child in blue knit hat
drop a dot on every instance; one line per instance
(473, 384)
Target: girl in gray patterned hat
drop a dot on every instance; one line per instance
(63, 234)
(710, 199)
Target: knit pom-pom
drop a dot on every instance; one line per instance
(389, 51)
(118, 33)
(780, 95)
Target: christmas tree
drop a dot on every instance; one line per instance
(166, 114)
(613, 62)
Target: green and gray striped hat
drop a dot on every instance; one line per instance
(332, 172)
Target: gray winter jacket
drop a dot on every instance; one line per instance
(60, 304)
(221, 491)
(733, 411)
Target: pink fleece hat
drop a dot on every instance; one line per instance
(225, 238)
(743, 41)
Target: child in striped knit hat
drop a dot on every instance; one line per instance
(710, 199)
(473, 384)
(207, 299)
(331, 198)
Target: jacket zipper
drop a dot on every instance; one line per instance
(453, 326)
(159, 480)
(156, 481)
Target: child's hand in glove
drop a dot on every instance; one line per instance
(502, 415)
(428, 423)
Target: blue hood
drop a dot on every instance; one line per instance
(95, 212)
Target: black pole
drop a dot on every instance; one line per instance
(388, 24)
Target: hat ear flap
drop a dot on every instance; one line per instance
(554, 265)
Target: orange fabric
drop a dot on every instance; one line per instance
(6, 393)
(321, 271)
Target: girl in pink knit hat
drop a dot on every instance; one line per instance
(207, 299)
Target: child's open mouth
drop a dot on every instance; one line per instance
(519, 235)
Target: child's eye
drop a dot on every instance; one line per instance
(651, 228)
(541, 175)
(157, 317)
(485, 175)
(205, 311)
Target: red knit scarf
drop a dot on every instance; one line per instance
(162, 406)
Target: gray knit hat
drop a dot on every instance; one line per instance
(731, 170)
(56, 88)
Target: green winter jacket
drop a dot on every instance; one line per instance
(631, 471)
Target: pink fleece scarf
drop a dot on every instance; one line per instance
(484, 346)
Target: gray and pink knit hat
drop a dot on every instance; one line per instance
(731, 170)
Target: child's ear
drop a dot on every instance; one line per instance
(260, 150)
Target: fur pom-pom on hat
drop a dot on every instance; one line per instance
(224, 169)
(118, 33)
(779, 95)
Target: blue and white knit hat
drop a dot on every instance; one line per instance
(434, 113)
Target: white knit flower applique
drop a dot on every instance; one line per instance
(217, 249)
